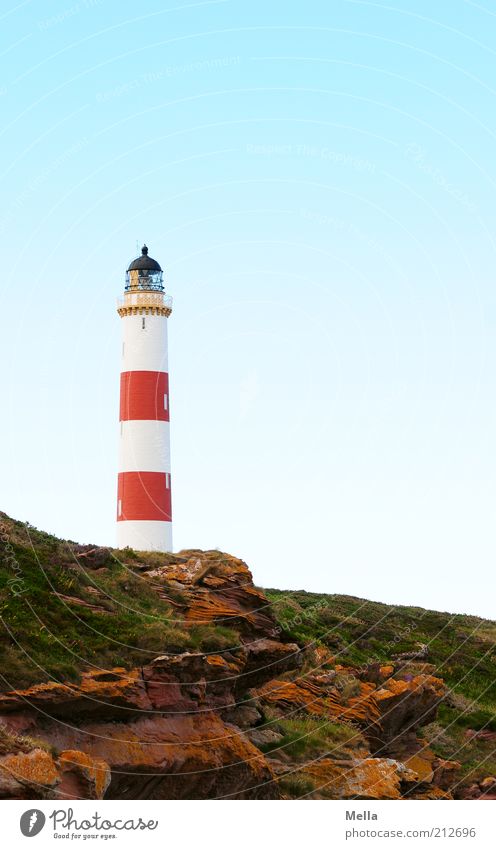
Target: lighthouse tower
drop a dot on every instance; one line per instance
(144, 519)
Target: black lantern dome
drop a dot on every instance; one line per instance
(144, 262)
(144, 272)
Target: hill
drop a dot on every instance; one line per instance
(142, 675)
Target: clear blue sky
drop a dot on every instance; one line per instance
(318, 181)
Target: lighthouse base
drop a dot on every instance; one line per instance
(145, 535)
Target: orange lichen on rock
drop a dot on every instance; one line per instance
(422, 763)
(36, 768)
(218, 588)
(291, 695)
(370, 778)
(94, 771)
(406, 704)
(395, 687)
(96, 689)
(319, 698)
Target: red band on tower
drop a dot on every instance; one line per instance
(144, 496)
(144, 396)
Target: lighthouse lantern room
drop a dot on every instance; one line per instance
(144, 517)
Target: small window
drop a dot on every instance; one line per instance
(167, 480)
(120, 507)
(143, 323)
(166, 402)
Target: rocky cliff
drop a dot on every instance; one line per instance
(130, 675)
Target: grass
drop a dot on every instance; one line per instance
(295, 786)
(11, 743)
(305, 738)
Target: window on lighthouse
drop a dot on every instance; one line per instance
(142, 323)
(166, 401)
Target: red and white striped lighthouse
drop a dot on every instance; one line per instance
(144, 518)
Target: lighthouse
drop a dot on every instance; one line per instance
(144, 517)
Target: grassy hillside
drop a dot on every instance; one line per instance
(462, 649)
(59, 614)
